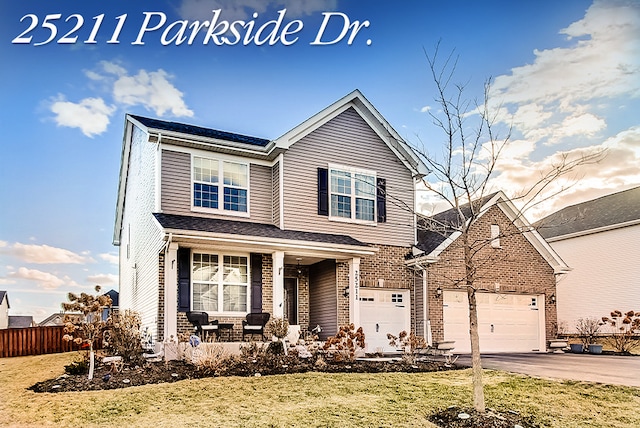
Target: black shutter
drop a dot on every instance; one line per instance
(184, 279)
(323, 191)
(381, 200)
(256, 283)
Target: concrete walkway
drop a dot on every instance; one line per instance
(609, 369)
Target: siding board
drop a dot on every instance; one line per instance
(347, 140)
(323, 298)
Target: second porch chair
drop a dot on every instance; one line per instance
(254, 324)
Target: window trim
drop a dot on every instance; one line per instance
(374, 198)
(220, 282)
(221, 186)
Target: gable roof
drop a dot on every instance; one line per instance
(445, 223)
(432, 243)
(374, 119)
(3, 295)
(195, 136)
(607, 212)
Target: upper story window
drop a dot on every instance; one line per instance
(352, 194)
(220, 185)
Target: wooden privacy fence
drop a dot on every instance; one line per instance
(15, 342)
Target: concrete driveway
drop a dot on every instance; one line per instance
(615, 370)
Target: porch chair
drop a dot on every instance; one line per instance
(201, 323)
(254, 324)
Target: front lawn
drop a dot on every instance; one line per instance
(304, 400)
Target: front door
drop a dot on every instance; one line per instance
(291, 300)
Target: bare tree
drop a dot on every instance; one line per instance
(462, 178)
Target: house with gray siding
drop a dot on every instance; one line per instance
(313, 226)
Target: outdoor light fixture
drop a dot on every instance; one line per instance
(299, 267)
(438, 292)
(345, 292)
(553, 298)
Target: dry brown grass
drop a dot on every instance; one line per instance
(304, 400)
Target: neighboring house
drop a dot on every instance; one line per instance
(21, 321)
(600, 240)
(4, 309)
(516, 279)
(58, 319)
(314, 226)
(53, 320)
(114, 304)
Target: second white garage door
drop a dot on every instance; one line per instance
(506, 322)
(382, 312)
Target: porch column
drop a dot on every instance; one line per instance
(425, 305)
(278, 284)
(354, 291)
(171, 291)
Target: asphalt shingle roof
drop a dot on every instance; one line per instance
(200, 131)
(609, 210)
(213, 225)
(434, 230)
(2, 294)
(20, 321)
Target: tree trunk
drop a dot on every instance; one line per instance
(91, 363)
(476, 364)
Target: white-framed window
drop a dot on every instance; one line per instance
(352, 194)
(220, 185)
(220, 283)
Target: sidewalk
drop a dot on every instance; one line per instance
(609, 369)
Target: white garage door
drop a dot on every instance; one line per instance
(506, 322)
(382, 312)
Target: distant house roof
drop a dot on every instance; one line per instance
(3, 295)
(610, 211)
(58, 318)
(199, 131)
(114, 297)
(20, 321)
(230, 227)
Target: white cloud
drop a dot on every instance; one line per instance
(233, 10)
(43, 254)
(111, 258)
(103, 279)
(44, 280)
(603, 62)
(111, 67)
(152, 90)
(425, 109)
(91, 115)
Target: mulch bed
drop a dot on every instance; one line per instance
(455, 417)
(172, 371)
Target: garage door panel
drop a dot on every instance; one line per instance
(382, 312)
(506, 322)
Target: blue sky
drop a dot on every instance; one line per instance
(566, 73)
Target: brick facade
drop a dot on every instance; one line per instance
(516, 266)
